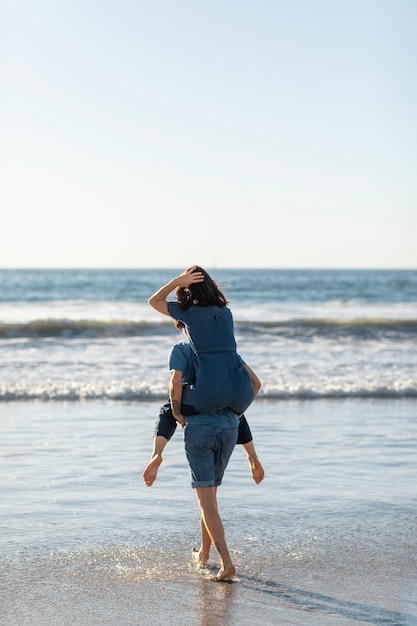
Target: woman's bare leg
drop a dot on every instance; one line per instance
(151, 470)
(255, 465)
(207, 500)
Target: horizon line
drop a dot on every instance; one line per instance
(211, 267)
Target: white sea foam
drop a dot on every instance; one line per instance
(145, 391)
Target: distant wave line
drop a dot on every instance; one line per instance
(91, 328)
(317, 322)
(68, 328)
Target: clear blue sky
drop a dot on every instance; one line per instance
(228, 133)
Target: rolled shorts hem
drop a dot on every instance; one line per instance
(205, 483)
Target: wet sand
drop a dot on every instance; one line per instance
(302, 595)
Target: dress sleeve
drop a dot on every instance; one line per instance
(174, 310)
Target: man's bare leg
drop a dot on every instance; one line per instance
(202, 555)
(207, 501)
(151, 470)
(255, 465)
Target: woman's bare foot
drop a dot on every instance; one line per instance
(201, 558)
(225, 574)
(151, 470)
(257, 470)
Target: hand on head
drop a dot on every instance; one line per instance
(190, 277)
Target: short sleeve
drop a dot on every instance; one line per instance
(174, 310)
(182, 360)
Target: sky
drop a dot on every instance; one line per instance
(226, 133)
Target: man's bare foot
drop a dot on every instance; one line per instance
(151, 470)
(201, 558)
(257, 470)
(225, 574)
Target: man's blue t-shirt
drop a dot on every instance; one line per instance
(181, 358)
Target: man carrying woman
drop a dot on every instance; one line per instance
(223, 389)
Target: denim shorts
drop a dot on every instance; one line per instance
(208, 449)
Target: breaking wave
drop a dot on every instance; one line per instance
(86, 328)
(71, 328)
(143, 392)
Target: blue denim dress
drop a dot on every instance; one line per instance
(221, 379)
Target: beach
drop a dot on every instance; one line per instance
(327, 538)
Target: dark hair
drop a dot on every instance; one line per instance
(206, 293)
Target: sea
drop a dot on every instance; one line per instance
(90, 334)
(329, 535)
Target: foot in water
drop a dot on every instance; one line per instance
(201, 558)
(257, 470)
(151, 470)
(225, 575)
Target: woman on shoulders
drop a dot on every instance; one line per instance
(221, 381)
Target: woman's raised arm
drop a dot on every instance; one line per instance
(159, 299)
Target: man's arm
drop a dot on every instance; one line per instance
(175, 396)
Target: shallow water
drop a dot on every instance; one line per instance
(328, 538)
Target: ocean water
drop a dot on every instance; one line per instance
(329, 536)
(90, 334)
